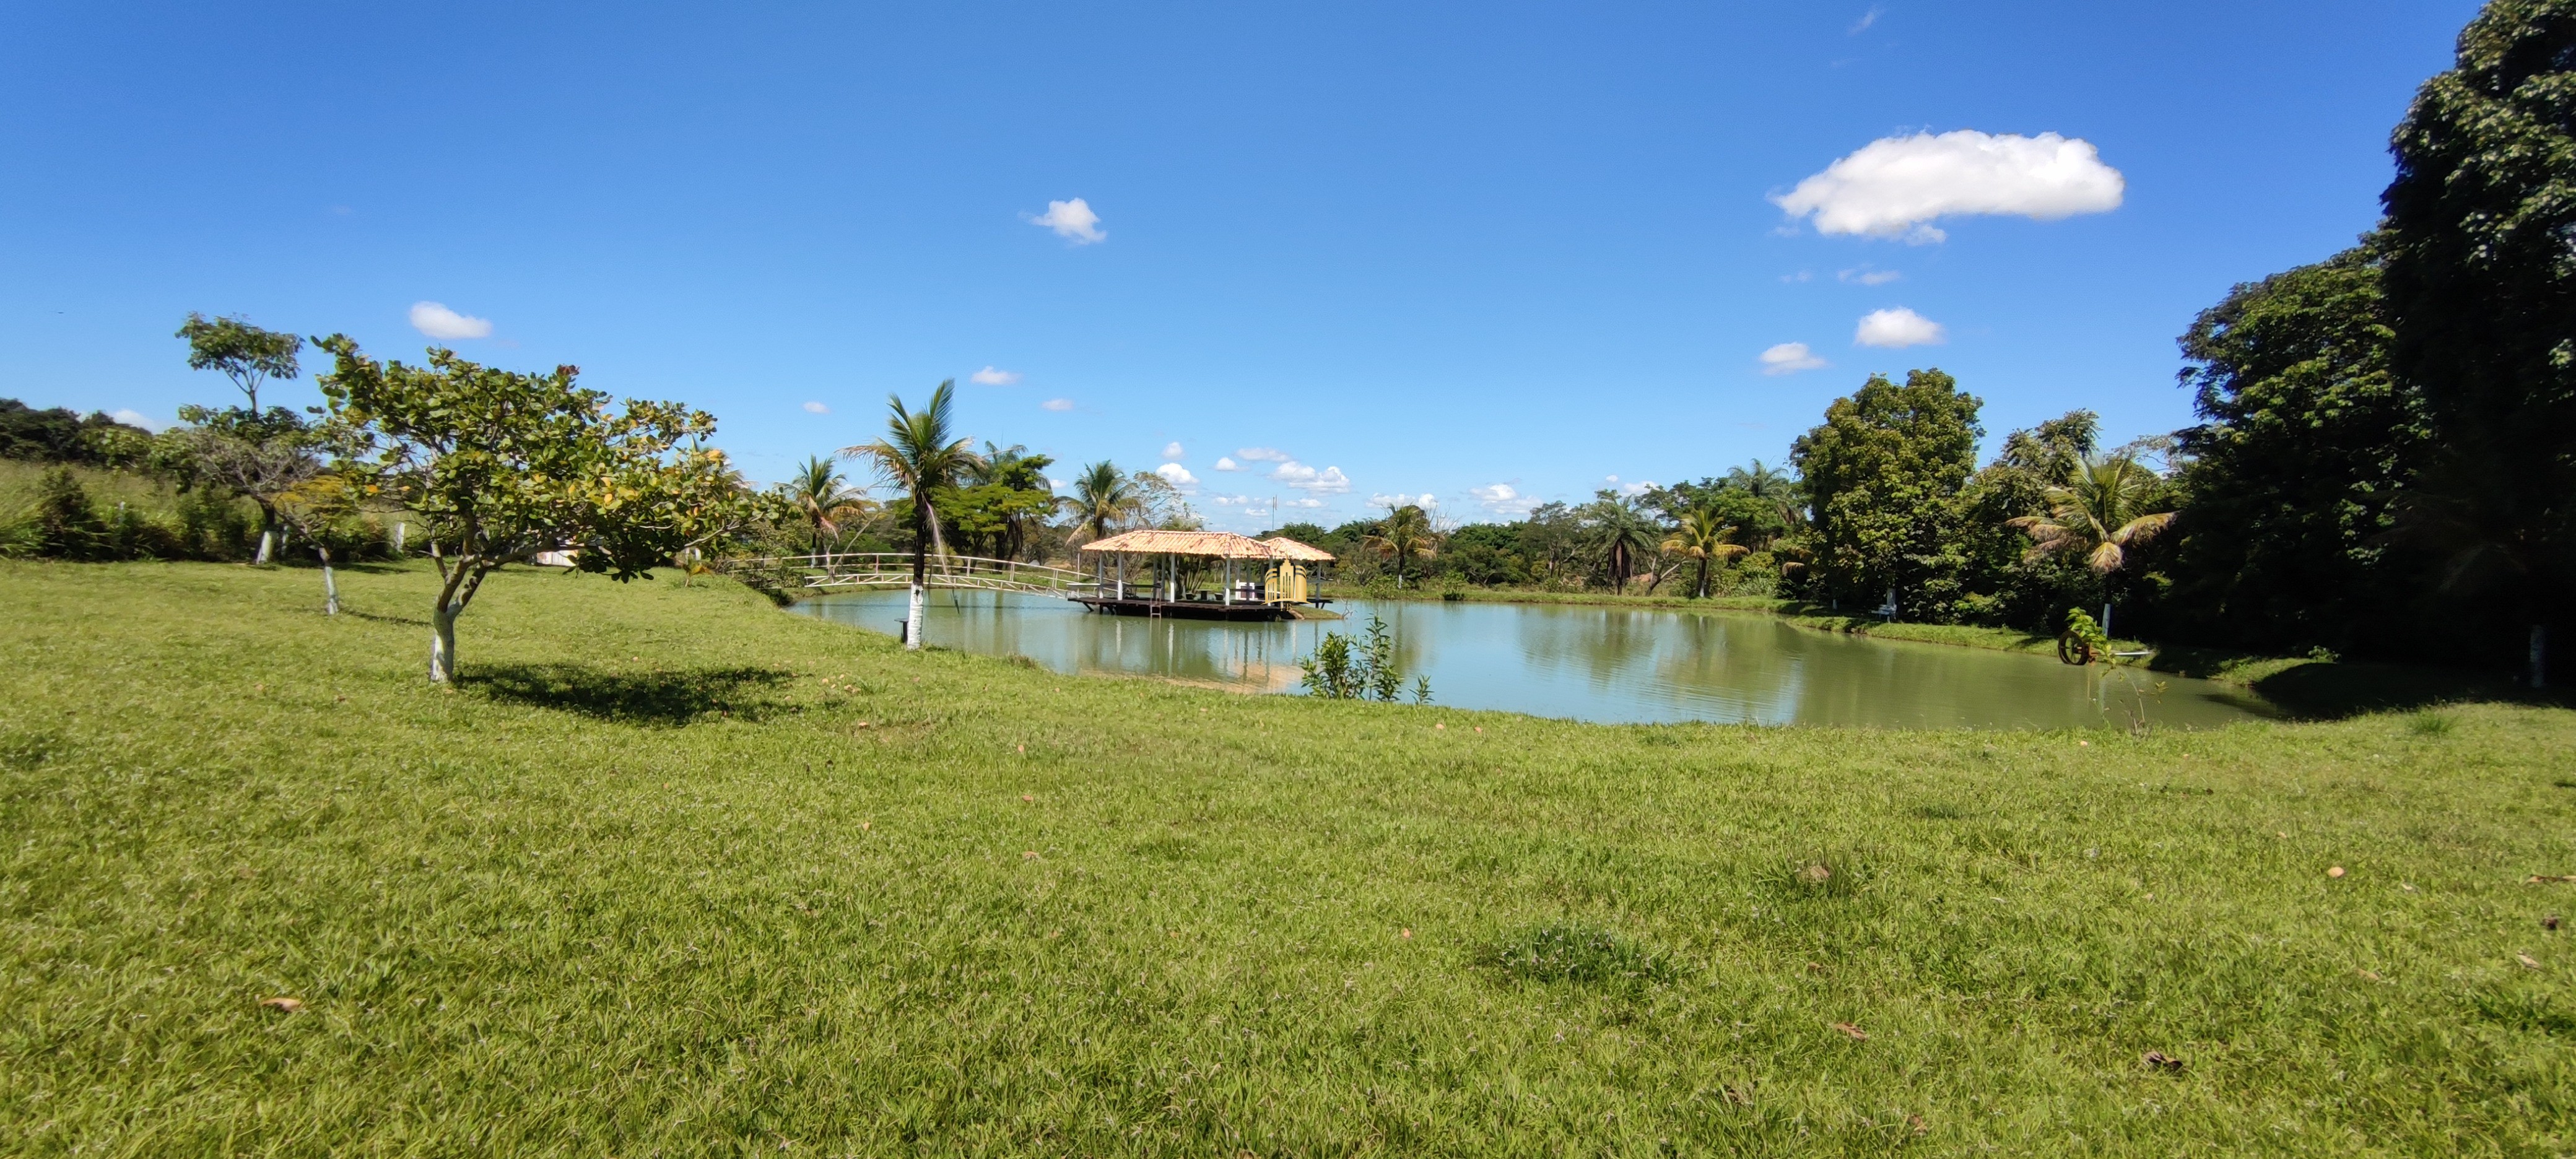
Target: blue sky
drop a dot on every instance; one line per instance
(1437, 250)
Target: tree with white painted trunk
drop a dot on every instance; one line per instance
(248, 356)
(501, 466)
(311, 508)
(922, 456)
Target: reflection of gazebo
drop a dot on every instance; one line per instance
(1171, 562)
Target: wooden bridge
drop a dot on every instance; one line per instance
(853, 570)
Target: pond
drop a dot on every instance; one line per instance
(1584, 662)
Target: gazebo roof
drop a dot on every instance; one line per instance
(1287, 548)
(1220, 544)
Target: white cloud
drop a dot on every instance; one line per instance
(136, 418)
(994, 376)
(1789, 358)
(1868, 277)
(1055, 484)
(1503, 499)
(1329, 481)
(1425, 501)
(438, 321)
(1058, 404)
(1233, 500)
(1179, 477)
(1301, 502)
(1172, 450)
(1867, 18)
(1263, 455)
(1897, 186)
(1899, 328)
(1639, 487)
(816, 408)
(1071, 220)
(1800, 276)
(1224, 463)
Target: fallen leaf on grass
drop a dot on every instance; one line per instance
(2369, 975)
(1857, 1034)
(2161, 1061)
(2525, 959)
(1027, 797)
(284, 1005)
(1815, 874)
(1407, 935)
(2334, 871)
(1916, 1122)
(2538, 878)
(1030, 855)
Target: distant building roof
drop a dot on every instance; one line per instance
(1221, 544)
(1291, 549)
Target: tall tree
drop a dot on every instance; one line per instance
(1406, 534)
(824, 499)
(1703, 538)
(1881, 475)
(503, 466)
(1622, 534)
(2098, 515)
(2481, 284)
(1102, 499)
(243, 353)
(921, 455)
(271, 440)
(2292, 480)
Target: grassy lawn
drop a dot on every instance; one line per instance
(675, 873)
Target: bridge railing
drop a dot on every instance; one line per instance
(858, 569)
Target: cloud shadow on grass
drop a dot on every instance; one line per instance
(659, 699)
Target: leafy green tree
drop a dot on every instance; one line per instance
(2481, 285)
(922, 456)
(1406, 534)
(56, 435)
(503, 466)
(1011, 494)
(2294, 477)
(311, 507)
(2099, 515)
(242, 352)
(1102, 501)
(824, 500)
(1882, 474)
(1703, 538)
(260, 455)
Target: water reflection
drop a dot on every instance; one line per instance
(1584, 662)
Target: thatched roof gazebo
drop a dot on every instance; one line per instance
(1285, 570)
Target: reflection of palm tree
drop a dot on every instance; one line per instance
(920, 455)
(1703, 537)
(2098, 515)
(820, 495)
(1102, 499)
(1405, 534)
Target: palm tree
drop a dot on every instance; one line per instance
(1703, 536)
(820, 494)
(1405, 534)
(1780, 489)
(2097, 515)
(1101, 500)
(1625, 535)
(920, 456)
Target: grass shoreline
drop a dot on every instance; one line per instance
(671, 872)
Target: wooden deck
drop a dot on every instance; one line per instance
(1187, 609)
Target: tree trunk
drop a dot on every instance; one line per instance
(265, 534)
(442, 644)
(330, 590)
(1703, 579)
(912, 620)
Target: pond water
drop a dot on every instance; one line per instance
(1584, 662)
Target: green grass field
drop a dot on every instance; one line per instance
(674, 873)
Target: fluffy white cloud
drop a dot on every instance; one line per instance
(136, 418)
(1329, 481)
(1071, 220)
(1233, 500)
(1897, 186)
(1262, 455)
(1179, 477)
(438, 321)
(1425, 501)
(1058, 404)
(1503, 499)
(1172, 450)
(1301, 502)
(1869, 277)
(1898, 328)
(1789, 358)
(1639, 487)
(816, 408)
(1224, 463)
(995, 376)
(1867, 18)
